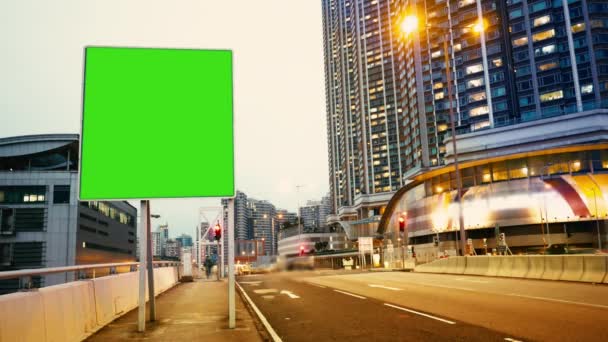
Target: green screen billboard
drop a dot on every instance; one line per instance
(156, 123)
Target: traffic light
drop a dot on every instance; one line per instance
(217, 232)
(435, 241)
(401, 224)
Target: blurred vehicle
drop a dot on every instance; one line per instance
(301, 263)
(240, 269)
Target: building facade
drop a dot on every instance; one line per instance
(42, 223)
(185, 240)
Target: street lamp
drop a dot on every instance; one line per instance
(409, 25)
(597, 221)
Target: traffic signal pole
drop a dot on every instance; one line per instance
(231, 280)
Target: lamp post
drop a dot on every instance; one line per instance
(410, 25)
(597, 222)
(547, 186)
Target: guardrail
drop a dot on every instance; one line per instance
(25, 275)
(581, 268)
(75, 310)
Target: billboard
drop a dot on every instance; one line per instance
(156, 123)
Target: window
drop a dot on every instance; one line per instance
(545, 50)
(479, 111)
(479, 96)
(525, 100)
(22, 194)
(439, 96)
(463, 3)
(547, 66)
(480, 125)
(578, 27)
(475, 82)
(517, 168)
(29, 219)
(475, 68)
(543, 35)
(61, 194)
(551, 96)
(587, 89)
(497, 62)
(520, 41)
(500, 91)
(516, 13)
(6, 254)
(538, 6)
(542, 20)
(499, 171)
(7, 221)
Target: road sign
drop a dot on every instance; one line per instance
(366, 245)
(156, 123)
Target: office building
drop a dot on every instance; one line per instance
(42, 223)
(314, 214)
(172, 249)
(185, 240)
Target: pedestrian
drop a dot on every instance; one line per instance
(208, 266)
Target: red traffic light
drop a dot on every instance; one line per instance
(218, 232)
(401, 223)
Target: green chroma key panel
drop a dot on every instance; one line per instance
(156, 123)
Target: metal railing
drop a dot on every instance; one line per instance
(25, 276)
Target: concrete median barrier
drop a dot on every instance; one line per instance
(595, 268)
(521, 266)
(442, 265)
(477, 265)
(461, 265)
(554, 267)
(22, 317)
(494, 265)
(573, 267)
(536, 266)
(506, 266)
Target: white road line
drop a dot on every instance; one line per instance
(559, 301)
(384, 287)
(321, 286)
(265, 291)
(290, 294)
(420, 313)
(472, 280)
(512, 339)
(350, 294)
(273, 334)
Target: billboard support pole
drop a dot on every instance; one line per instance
(151, 298)
(143, 237)
(231, 304)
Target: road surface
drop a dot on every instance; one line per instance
(401, 306)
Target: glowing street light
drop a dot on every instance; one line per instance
(409, 24)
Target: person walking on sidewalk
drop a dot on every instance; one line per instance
(208, 265)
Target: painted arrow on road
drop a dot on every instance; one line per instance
(384, 287)
(290, 294)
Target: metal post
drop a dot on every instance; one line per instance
(143, 237)
(453, 130)
(218, 260)
(221, 270)
(150, 260)
(597, 222)
(484, 58)
(231, 299)
(577, 87)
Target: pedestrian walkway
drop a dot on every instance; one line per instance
(196, 311)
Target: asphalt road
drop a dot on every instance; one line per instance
(299, 310)
(399, 306)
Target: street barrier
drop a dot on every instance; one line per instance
(476, 265)
(595, 268)
(554, 267)
(573, 268)
(584, 268)
(536, 266)
(494, 265)
(75, 310)
(521, 266)
(506, 266)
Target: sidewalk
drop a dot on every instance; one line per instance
(196, 311)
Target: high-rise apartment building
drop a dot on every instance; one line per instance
(387, 92)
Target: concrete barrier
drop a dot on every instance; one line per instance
(73, 311)
(477, 265)
(69, 311)
(461, 265)
(536, 266)
(22, 317)
(573, 268)
(506, 266)
(595, 268)
(442, 265)
(494, 265)
(554, 267)
(521, 266)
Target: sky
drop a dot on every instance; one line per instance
(280, 125)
